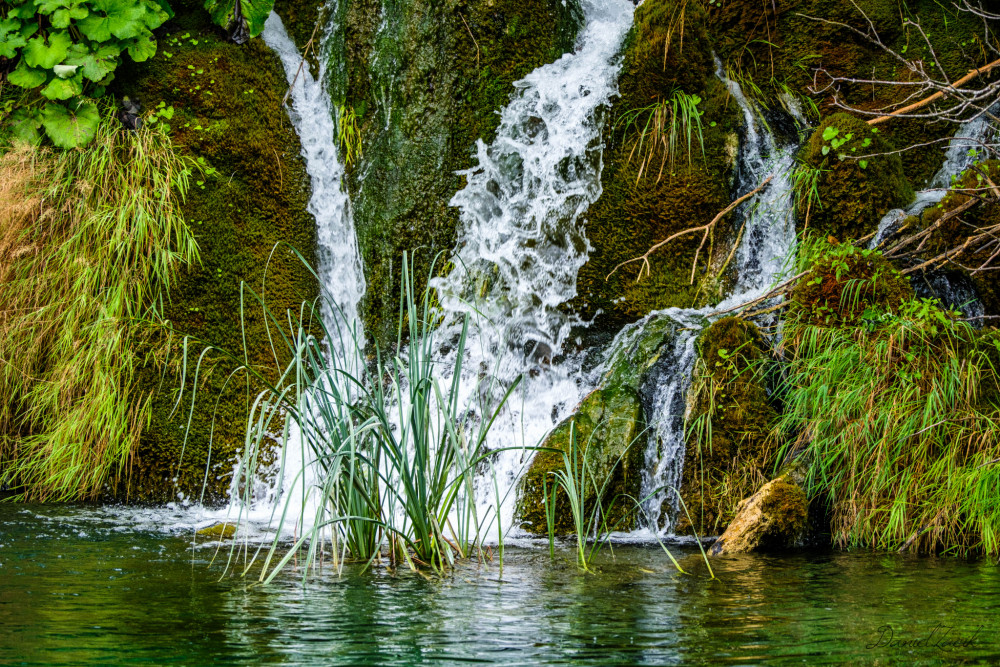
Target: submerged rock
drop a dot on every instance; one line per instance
(223, 531)
(773, 518)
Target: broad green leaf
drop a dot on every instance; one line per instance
(96, 64)
(46, 53)
(155, 15)
(120, 18)
(63, 89)
(830, 132)
(61, 17)
(25, 11)
(142, 48)
(27, 77)
(11, 38)
(70, 127)
(242, 18)
(25, 124)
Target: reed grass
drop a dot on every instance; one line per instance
(666, 129)
(391, 450)
(91, 240)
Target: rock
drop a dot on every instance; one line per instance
(609, 425)
(772, 518)
(223, 531)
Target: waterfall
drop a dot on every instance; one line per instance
(767, 244)
(521, 243)
(341, 276)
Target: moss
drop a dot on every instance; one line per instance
(300, 18)
(953, 232)
(777, 45)
(844, 282)
(633, 213)
(608, 426)
(426, 86)
(729, 451)
(227, 110)
(854, 194)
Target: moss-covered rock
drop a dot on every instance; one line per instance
(608, 428)
(773, 518)
(226, 106)
(854, 193)
(844, 282)
(729, 452)
(667, 56)
(426, 79)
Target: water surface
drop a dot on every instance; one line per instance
(80, 586)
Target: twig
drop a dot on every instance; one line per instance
(472, 36)
(305, 54)
(938, 95)
(706, 229)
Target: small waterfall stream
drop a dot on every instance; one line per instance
(763, 255)
(521, 244)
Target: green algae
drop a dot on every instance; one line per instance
(730, 452)
(609, 428)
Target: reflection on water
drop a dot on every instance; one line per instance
(77, 588)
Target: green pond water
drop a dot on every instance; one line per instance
(86, 586)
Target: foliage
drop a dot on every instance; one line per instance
(899, 424)
(667, 127)
(348, 134)
(65, 49)
(805, 190)
(843, 283)
(393, 452)
(91, 240)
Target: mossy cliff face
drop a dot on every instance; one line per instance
(425, 80)
(953, 232)
(728, 453)
(778, 45)
(854, 193)
(608, 429)
(226, 102)
(668, 52)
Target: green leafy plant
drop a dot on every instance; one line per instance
(805, 189)
(348, 134)
(67, 49)
(243, 19)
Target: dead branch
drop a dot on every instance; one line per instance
(938, 95)
(705, 229)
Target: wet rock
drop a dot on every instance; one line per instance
(773, 518)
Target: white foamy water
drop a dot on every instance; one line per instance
(521, 244)
(964, 150)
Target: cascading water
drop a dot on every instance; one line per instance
(766, 246)
(521, 244)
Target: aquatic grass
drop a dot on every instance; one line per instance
(386, 454)
(90, 243)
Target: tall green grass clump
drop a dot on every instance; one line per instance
(390, 449)
(91, 240)
(668, 128)
(896, 408)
